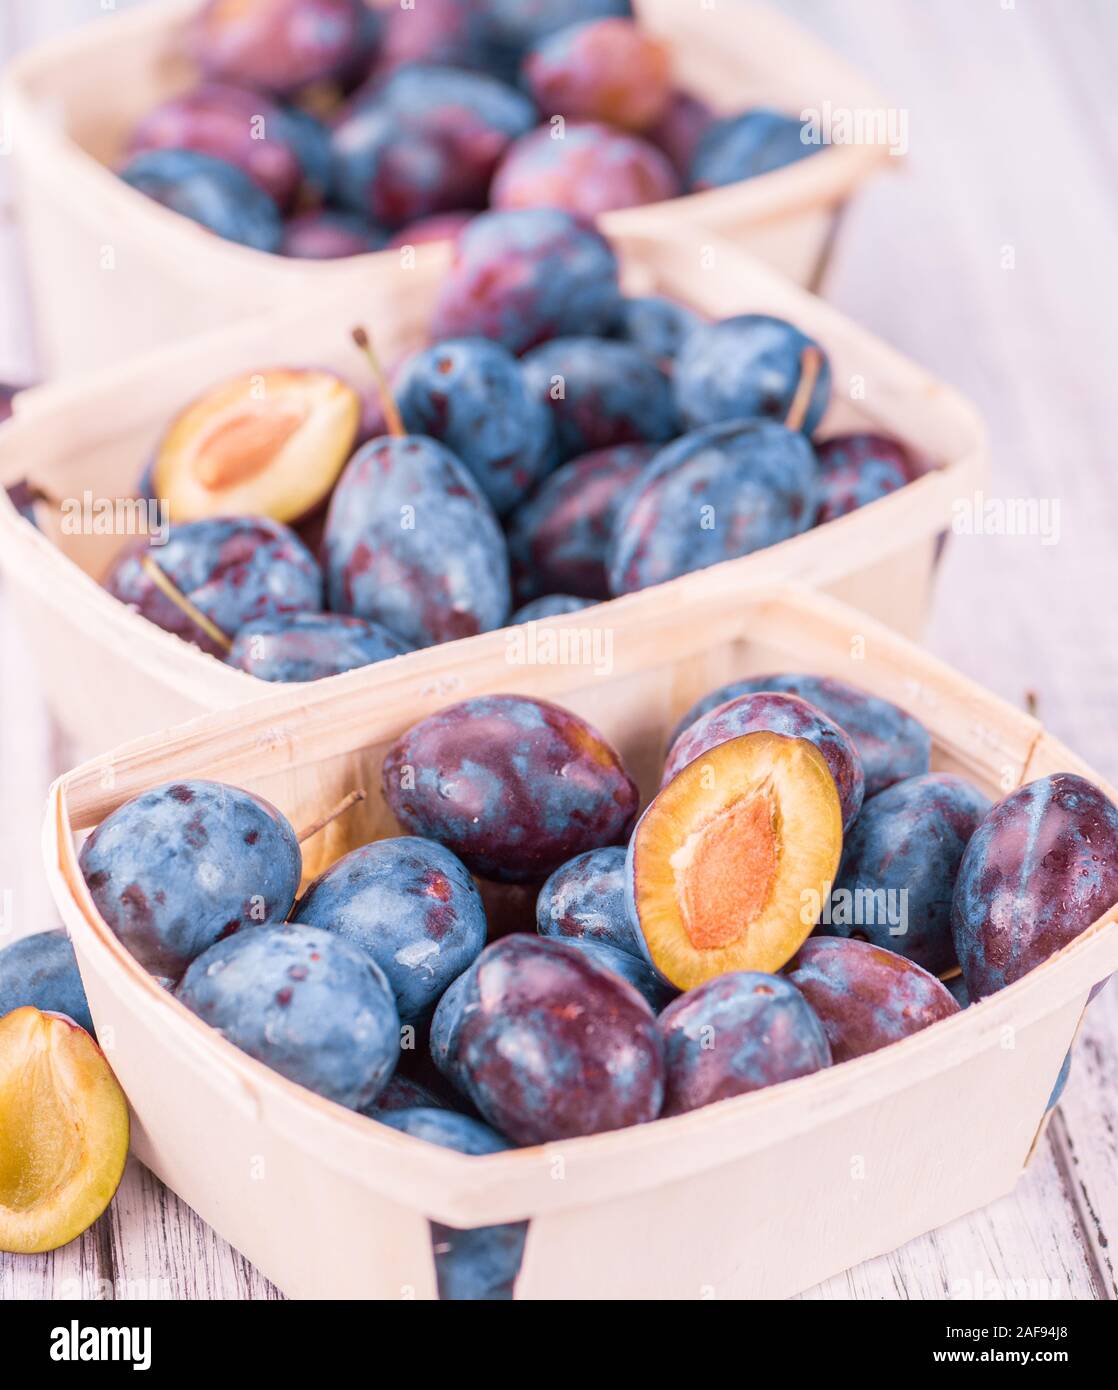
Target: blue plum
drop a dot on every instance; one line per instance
(185, 864)
(409, 903)
(900, 861)
(655, 991)
(470, 1265)
(685, 121)
(750, 143)
(523, 277)
(309, 646)
(443, 1036)
(514, 786)
(612, 70)
(305, 1002)
(470, 395)
(656, 325)
(559, 538)
(737, 1033)
(866, 997)
(241, 127)
(781, 714)
(549, 606)
(892, 743)
(714, 494)
(584, 899)
(552, 1045)
(233, 570)
(591, 170)
(425, 141)
(517, 25)
(286, 47)
(1040, 869)
(411, 542)
(856, 469)
(42, 971)
(747, 367)
(454, 32)
(402, 1093)
(329, 234)
(600, 394)
(212, 192)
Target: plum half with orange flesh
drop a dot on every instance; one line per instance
(730, 865)
(63, 1131)
(268, 443)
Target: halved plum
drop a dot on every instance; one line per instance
(63, 1131)
(268, 443)
(729, 867)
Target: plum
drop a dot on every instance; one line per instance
(392, 169)
(856, 469)
(549, 606)
(41, 971)
(607, 70)
(781, 714)
(553, 1046)
(266, 443)
(903, 852)
(516, 25)
(600, 394)
(1060, 1083)
(1038, 871)
(684, 122)
(212, 192)
(656, 325)
(310, 646)
(655, 991)
(866, 997)
(186, 864)
(478, 1264)
(514, 786)
(412, 906)
(303, 1001)
(714, 494)
(729, 867)
(440, 226)
(443, 1035)
(585, 899)
(892, 743)
(750, 143)
(241, 127)
(329, 234)
(286, 47)
(403, 1093)
(587, 168)
(64, 1137)
(231, 571)
(520, 278)
(470, 395)
(454, 32)
(559, 538)
(748, 366)
(411, 542)
(426, 141)
(7, 395)
(737, 1033)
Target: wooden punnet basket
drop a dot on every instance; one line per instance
(110, 675)
(759, 1196)
(113, 274)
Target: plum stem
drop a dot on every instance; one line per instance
(171, 590)
(350, 799)
(953, 973)
(811, 363)
(392, 415)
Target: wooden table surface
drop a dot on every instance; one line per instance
(988, 259)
